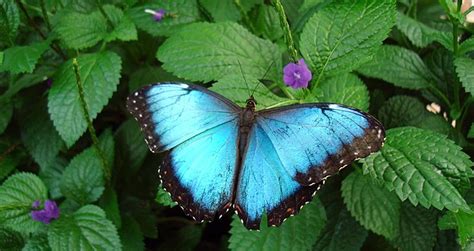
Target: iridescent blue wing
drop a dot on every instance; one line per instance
(200, 128)
(293, 149)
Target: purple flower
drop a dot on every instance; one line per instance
(45, 215)
(297, 75)
(158, 15)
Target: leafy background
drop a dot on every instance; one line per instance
(66, 67)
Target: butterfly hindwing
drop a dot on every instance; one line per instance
(314, 141)
(199, 129)
(265, 186)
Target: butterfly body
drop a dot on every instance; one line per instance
(220, 156)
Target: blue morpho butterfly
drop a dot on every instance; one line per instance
(221, 156)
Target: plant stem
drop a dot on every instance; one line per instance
(45, 14)
(286, 30)
(85, 111)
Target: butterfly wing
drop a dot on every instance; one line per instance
(315, 141)
(265, 186)
(200, 128)
(292, 150)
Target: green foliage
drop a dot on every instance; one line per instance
(83, 178)
(17, 195)
(414, 156)
(9, 21)
(306, 226)
(465, 73)
(372, 205)
(397, 60)
(398, 66)
(21, 59)
(345, 89)
(100, 74)
(223, 48)
(87, 227)
(360, 30)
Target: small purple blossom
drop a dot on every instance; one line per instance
(297, 75)
(45, 215)
(158, 15)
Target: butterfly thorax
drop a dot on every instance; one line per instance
(247, 118)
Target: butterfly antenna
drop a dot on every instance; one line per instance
(243, 75)
(264, 75)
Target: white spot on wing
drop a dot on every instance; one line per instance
(184, 86)
(333, 106)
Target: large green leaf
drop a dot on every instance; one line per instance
(37, 242)
(17, 195)
(9, 21)
(402, 111)
(86, 229)
(222, 10)
(131, 236)
(345, 89)
(417, 228)
(84, 30)
(416, 163)
(83, 178)
(38, 134)
(305, 226)
(463, 222)
(420, 34)
(10, 240)
(6, 112)
(51, 174)
(465, 71)
(179, 13)
(267, 23)
(22, 59)
(131, 147)
(372, 205)
(466, 46)
(100, 73)
(238, 89)
(345, 34)
(398, 66)
(205, 52)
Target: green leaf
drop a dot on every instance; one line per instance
(83, 179)
(21, 59)
(80, 31)
(345, 89)
(109, 202)
(267, 23)
(463, 222)
(417, 228)
(179, 13)
(10, 240)
(9, 21)
(141, 211)
(100, 74)
(420, 34)
(17, 195)
(470, 134)
(342, 233)
(164, 198)
(234, 87)
(6, 112)
(149, 75)
(466, 46)
(221, 10)
(10, 159)
(205, 52)
(40, 74)
(38, 133)
(131, 236)
(124, 28)
(345, 34)
(37, 242)
(372, 205)
(186, 238)
(411, 157)
(305, 226)
(402, 111)
(398, 66)
(87, 228)
(130, 146)
(465, 71)
(52, 174)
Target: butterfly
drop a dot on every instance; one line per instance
(220, 156)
